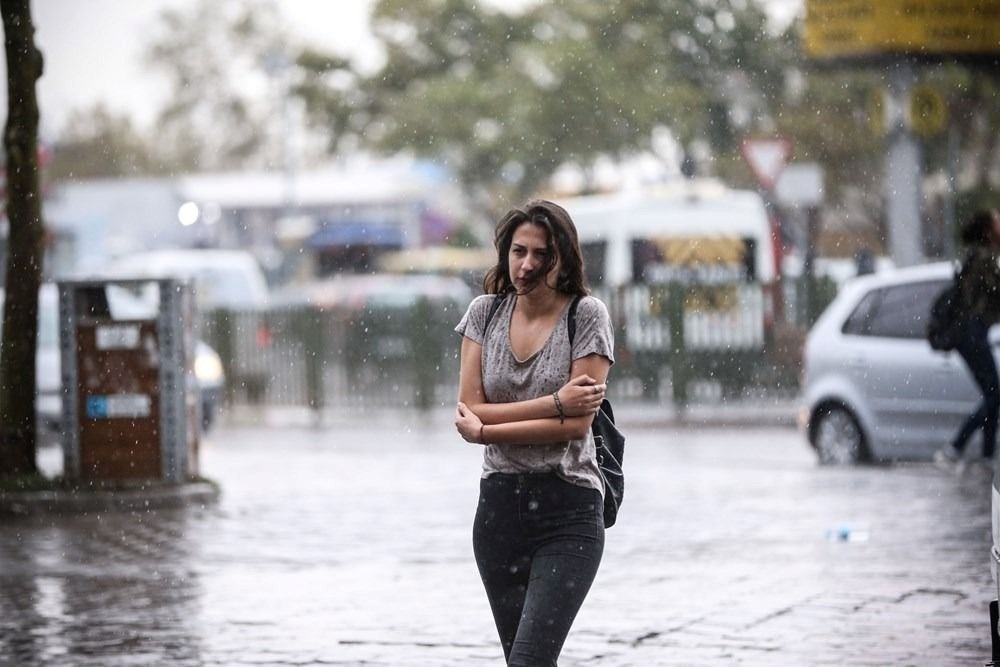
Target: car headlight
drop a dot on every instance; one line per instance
(208, 368)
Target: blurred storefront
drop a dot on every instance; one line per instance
(313, 223)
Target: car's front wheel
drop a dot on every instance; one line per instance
(837, 436)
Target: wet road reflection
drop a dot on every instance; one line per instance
(76, 590)
(352, 546)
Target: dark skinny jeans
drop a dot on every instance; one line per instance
(538, 542)
(974, 347)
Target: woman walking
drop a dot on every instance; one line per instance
(979, 297)
(528, 394)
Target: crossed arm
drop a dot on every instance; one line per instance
(535, 420)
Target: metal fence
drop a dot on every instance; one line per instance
(671, 340)
(316, 358)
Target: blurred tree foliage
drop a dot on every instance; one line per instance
(506, 98)
(827, 114)
(834, 116)
(98, 143)
(224, 60)
(972, 97)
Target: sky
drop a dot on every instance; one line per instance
(93, 50)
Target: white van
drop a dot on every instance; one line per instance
(695, 232)
(226, 280)
(699, 228)
(222, 278)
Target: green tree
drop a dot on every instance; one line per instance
(215, 54)
(97, 143)
(24, 258)
(972, 98)
(231, 69)
(504, 99)
(834, 118)
(328, 87)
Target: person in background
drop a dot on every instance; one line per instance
(979, 296)
(528, 395)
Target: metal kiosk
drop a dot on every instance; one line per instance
(130, 404)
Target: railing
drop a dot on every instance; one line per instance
(669, 339)
(360, 358)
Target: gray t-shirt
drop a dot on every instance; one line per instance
(507, 379)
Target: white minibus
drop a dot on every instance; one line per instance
(700, 233)
(699, 229)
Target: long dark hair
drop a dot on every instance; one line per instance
(562, 243)
(977, 230)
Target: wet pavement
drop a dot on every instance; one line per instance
(351, 545)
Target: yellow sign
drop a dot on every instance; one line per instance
(700, 250)
(860, 28)
(927, 112)
(711, 298)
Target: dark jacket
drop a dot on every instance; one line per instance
(980, 284)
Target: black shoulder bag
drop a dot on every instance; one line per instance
(608, 440)
(946, 322)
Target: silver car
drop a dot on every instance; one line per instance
(873, 389)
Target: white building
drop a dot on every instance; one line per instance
(299, 225)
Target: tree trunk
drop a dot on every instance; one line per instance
(24, 254)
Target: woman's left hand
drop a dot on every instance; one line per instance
(468, 424)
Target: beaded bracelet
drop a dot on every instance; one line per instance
(559, 407)
(482, 438)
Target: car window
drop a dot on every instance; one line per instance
(857, 323)
(901, 311)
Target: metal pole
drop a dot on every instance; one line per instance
(950, 228)
(903, 172)
(679, 360)
(809, 267)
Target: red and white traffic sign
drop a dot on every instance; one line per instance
(766, 157)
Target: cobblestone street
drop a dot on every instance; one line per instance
(351, 545)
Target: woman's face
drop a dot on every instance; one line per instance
(529, 253)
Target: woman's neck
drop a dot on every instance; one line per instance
(540, 301)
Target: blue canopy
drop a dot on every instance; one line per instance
(356, 232)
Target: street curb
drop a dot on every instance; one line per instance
(694, 424)
(708, 419)
(80, 500)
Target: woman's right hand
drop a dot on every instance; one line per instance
(469, 426)
(582, 396)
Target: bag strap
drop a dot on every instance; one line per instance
(571, 324)
(494, 307)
